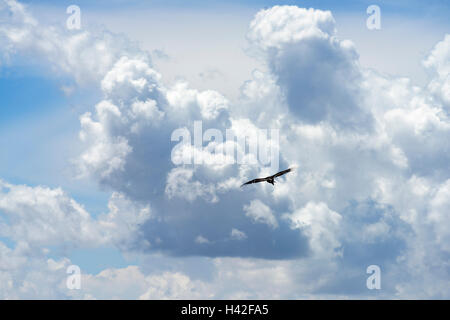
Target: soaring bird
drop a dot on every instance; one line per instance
(270, 179)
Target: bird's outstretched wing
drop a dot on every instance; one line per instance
(254, 181)
(282, 172)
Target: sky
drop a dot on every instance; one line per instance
(90, 170)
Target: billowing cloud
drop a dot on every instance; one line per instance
(237, 234)
(371, 185)
(260, 213)
(84, 55)
(439, 62)
(317, 73)
(322, 227)
(40, 217)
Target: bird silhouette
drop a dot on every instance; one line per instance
(269, 179)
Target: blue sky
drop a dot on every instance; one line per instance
(86, 176)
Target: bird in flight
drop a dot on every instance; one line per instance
(270, 179)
